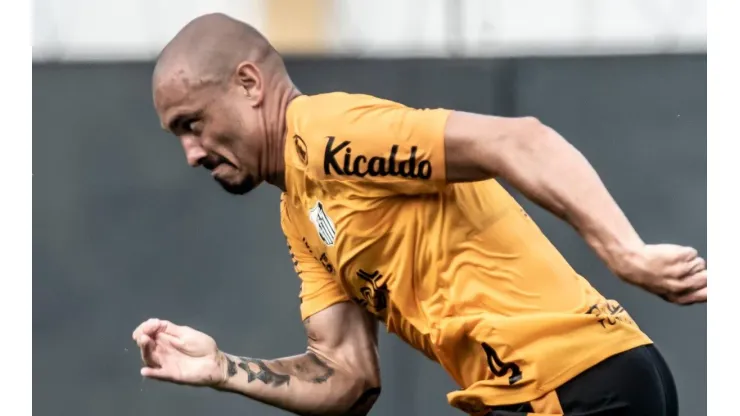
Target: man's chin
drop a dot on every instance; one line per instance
(238, 188)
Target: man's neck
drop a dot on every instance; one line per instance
(275, 149)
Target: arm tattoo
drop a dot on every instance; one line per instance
(324, 371)
(262, 372)
(232, 366)
(308, 367)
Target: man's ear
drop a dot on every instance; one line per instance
(249, 78)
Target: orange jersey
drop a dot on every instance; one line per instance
(458, 271)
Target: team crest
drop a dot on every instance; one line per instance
(301, 149)
(324, 225)
(372, 295)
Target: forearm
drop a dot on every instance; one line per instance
(551, 172)
(305, 384)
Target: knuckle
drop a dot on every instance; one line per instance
(679, 288)
(671, 286)
(698, 265)
(677, 273)
(698, 281)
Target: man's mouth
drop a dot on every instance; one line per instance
(218, 169)
(215, 165)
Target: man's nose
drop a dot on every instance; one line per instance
(194, 152)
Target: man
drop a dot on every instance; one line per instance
(393, 214)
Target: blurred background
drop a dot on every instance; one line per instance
(124, 230)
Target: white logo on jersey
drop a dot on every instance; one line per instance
(324, 225)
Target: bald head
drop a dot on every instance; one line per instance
(211, 47)
(224, 91)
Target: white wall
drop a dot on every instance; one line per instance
(106, 29)
(503, 27)
(121, 29)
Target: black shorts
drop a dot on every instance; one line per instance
(636, 382)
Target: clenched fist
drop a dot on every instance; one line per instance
(675, 273)
(179, 354)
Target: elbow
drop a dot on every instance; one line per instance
(360, 395)
(364, 401)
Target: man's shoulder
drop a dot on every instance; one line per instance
(343, 101)
(335, 109)
(323, 125)
(366, 141)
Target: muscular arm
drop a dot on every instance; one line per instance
(337, 375)
(545, 168)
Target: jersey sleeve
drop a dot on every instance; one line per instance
(319, 290)
(381, 143)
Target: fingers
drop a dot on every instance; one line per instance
(695, 281)
(144, 341)
(157, 373)
(690, 267)
(154, 326)
(690, 289)
(146, 346)
(145, 336)
(173, 340)
(156, 338)
(685, 281)
(692, 281)
(172, 329)
(149, 327)
(688, 253)
(154, 332)
(696, 289)
(683, 267)
(697, 265)
(698, 296)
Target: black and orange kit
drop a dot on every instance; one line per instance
(458, 271)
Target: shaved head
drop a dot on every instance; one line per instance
(223, 90)
(211, 47)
